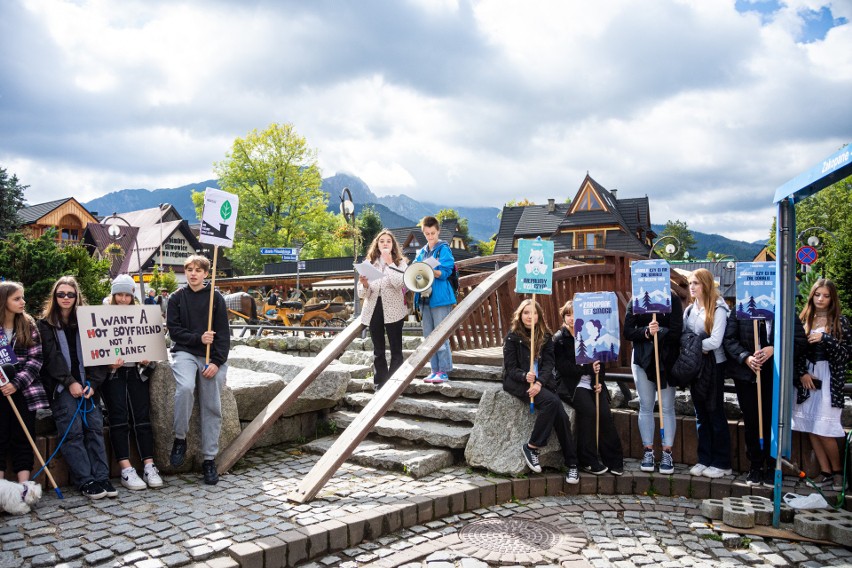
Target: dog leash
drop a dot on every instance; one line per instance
(83, 410)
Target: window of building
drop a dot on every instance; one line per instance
(589, 201)
(70, 235)
(589, 240)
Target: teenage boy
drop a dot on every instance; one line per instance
(187, 322)
(436, 302)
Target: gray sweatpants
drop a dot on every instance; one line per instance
(187, 370)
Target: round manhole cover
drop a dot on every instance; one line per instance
(507, 535)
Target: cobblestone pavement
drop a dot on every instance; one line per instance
(190, 524)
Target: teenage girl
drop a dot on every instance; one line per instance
(19, 335)
(821, 373)
(127, 399)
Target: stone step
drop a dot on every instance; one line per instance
(472, 390)
(433, 433)
(415, 461)
(437, 408)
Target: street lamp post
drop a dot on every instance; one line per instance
(671, 248)
(115, 232)
(731, 264)
(347, 209)
(163, 208)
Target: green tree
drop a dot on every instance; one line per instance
(369, 223)
(11, 201)
(679, 230)
(167, 280)
(486, 247)
(91, 274)
(276, 177)
(444, 214)
(37, 263)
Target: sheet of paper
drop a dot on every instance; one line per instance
(432, 262)
(368, 270)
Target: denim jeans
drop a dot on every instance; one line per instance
(647, 390)
(83, 448)
(187, 369)
(442, 360)
(128, 401)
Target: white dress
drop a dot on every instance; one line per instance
(816, 415)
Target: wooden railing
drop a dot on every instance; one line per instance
(574, 271)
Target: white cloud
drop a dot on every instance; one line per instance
(704, 109)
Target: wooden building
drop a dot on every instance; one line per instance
(594, 219)
(67, 216)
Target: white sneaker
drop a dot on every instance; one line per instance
(152, 476)
(130, 479)
(697, 469)
(716, 473)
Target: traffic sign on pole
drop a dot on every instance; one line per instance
(806, 255)
(289, 257)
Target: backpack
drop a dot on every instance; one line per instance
(453, 278)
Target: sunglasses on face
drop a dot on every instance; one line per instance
(70, 295)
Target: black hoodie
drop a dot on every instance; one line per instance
(187, 321)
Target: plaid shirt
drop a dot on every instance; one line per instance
(27, 370)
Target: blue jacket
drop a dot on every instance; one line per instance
(442, 292)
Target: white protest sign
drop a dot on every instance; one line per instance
(132, 333)
(219, 218)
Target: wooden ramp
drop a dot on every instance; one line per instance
(287, 397)
(346, 443)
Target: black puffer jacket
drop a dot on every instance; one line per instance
(668, 339)
(55, 370)
(516, 365)
(568, 372)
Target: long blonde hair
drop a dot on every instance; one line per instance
(709, 296)
(23, 323)
(832, 317)
(522, 331)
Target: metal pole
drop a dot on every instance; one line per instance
(783, 362)
(355, 307)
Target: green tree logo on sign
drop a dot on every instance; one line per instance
(225, 211)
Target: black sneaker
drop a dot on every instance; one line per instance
(754, 477)
(93, 490)
(178, 453)
(531, 457)
(108, 488)
(211, 477)
(595, 469)
(573, 475)
(617, 471)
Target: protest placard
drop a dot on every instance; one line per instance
(219, 218)
(535, 267)
(755, 290)
(596, 327)
(7, 352)
(652, 290)
(132, 333)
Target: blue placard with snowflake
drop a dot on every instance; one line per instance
(597, 335)
(755, 290)
(652, 289)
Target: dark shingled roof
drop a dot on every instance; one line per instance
(33, 213)
(632, 215)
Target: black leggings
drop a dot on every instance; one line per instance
(127, 400)
(378, 327)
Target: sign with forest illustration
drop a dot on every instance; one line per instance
(652, 289)
(596, 327)
(755, 290)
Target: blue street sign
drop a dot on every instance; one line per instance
(289, 257)
(279, 250)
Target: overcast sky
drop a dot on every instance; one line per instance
(705, 106)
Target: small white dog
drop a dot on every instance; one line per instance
(17, 498)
